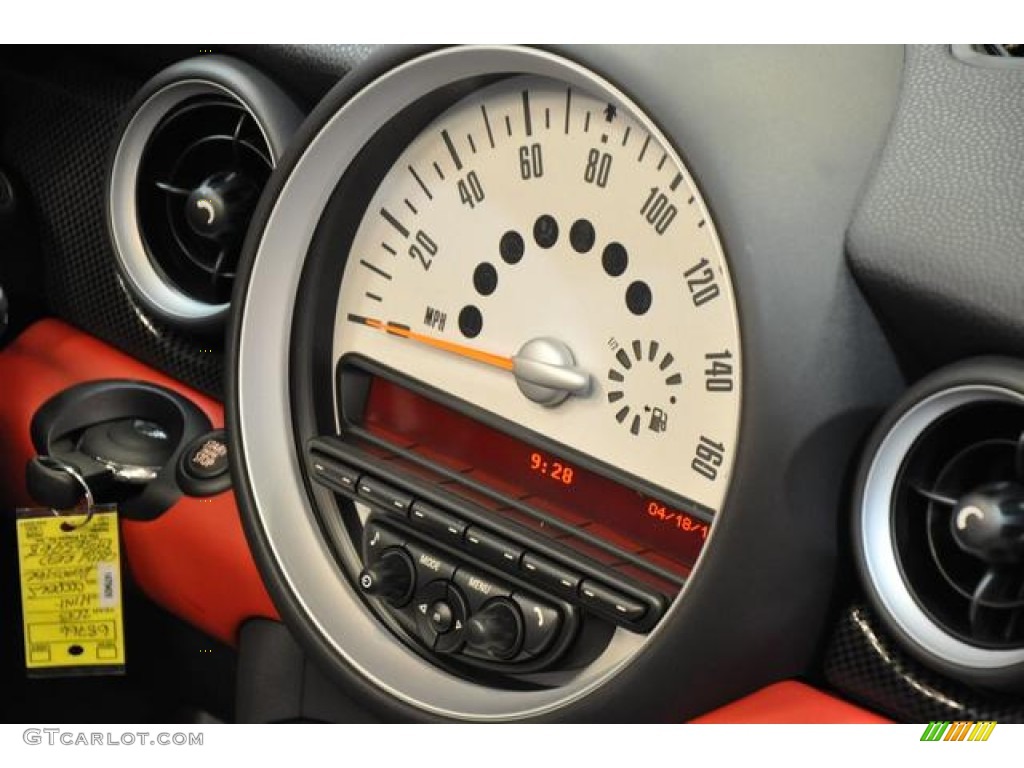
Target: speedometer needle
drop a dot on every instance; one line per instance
(487, 358)
(544, 369)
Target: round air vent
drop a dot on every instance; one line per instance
(199, 143)
(939, 524)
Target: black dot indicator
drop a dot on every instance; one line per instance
(511, 247)
(471, 322)
(485, 278)
(545, 231)
(581, 235)
(614, 259)
(638, 297)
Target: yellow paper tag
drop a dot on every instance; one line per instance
(70, 574)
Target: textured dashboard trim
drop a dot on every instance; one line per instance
(864, 663)
(938, 238)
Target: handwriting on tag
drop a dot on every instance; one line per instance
(70, 570)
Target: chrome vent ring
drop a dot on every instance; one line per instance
(203, 134)
(955, 437)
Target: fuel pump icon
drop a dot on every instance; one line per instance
(658, 421)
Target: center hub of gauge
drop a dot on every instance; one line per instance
(546, 372)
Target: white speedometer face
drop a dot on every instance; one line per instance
(545, 256)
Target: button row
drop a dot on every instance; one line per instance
(485, 545)
(509, 556)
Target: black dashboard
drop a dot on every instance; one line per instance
(588, 383)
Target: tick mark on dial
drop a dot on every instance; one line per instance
(390, 219)
(643, 149)
(451, 150)
(420, 182)
(374, 268)
(487, 125)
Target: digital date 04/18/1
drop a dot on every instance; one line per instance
(678, 519)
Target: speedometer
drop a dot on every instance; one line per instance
(514, 380)
(544, 255)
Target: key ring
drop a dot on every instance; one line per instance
(90, 502)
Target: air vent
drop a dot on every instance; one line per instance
(201, 174)
(958, 523)
(199, 144)
(940, 522)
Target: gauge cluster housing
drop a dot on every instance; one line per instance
(808, 394)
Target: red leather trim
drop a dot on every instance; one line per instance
(790, 702)
(193, 560)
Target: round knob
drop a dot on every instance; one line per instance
(221, 205)
(390, 578)
(497, 629)
(989, 523)
(441, 617)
